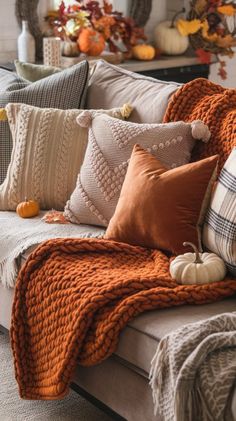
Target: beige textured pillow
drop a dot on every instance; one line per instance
(110, 85)
(106, 160)
(48, 150)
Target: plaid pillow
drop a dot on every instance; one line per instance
(63, 90)
(219, 233)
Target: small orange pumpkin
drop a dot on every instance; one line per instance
(143, 52)
(28, 208)
(91, 42)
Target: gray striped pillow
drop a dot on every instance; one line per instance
(63, 90)
(219, 232)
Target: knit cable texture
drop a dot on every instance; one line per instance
(74, 296)
(203, 100)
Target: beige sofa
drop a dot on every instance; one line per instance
(121, 382)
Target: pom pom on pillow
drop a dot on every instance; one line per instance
(200, 131)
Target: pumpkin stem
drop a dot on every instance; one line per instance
(197, 255)
(172, 25)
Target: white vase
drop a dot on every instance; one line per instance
(26, 44)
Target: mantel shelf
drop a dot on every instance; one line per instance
(164, 62)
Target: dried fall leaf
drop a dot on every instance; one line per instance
(222, 71)
(227, 9)
(186, 27)
(204, 56)
(54, 217)
(104, 25)
(225, 42)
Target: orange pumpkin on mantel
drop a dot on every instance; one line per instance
(28, 208)
(91, 42)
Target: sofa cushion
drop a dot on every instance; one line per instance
(106, 160)
(110, 86)
(219, 233)
(48, 151)
(162, 209)
(63, 90)
(138, 341)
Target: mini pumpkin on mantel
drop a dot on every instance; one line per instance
(28, 208)
(168, 39)
(143, 52)
(197, 268)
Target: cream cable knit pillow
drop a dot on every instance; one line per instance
(106, 160)
(48, 150)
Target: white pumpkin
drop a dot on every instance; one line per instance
(197, 268)
(70, 49)
(168, 39)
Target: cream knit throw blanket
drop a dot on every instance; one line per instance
(18, 234)
(193, 373)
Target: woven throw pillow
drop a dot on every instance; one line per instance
(48, 150)
(219, 233)
(213, 104)
(161, 209)
(106, 160)
(63, 90)
(34, 72)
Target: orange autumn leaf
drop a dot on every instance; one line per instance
(227, 9)
(104, 24)
(186, 27)
(225, 42)
(55, 217)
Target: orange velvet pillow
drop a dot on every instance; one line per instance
(160, 208)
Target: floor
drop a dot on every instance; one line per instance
(12, 408)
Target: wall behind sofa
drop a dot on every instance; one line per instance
(161, 9)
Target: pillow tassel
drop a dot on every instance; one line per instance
(126, 110)
(3, 114)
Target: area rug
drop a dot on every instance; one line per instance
(12, 408)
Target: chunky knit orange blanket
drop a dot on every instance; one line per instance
(213, 104)
(73, 297)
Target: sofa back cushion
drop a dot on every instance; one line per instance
(63, 90)
(48, 150)
(107, 156)
(110, 86)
